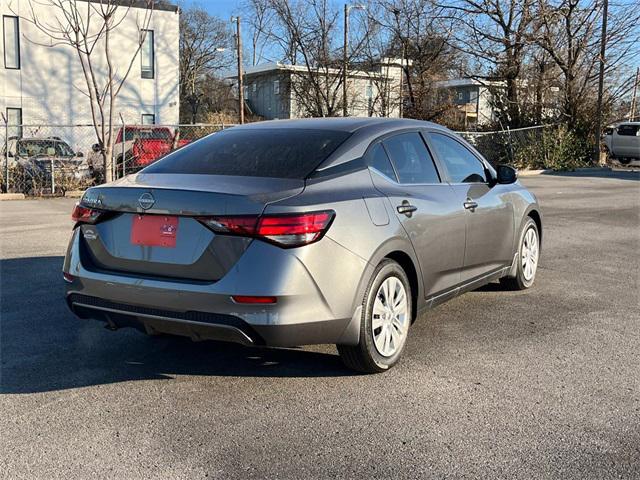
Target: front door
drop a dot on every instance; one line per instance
(403, 169)
(489, 215)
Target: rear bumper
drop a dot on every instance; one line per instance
(315, 304)
(205, 326)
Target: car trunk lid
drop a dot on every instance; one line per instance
(186, 249)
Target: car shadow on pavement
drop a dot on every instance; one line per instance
(44, 347)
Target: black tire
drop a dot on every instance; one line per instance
(624, 160)
(364, 357)
(519, 282)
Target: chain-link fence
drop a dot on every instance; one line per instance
(541, 147)
(54, 159)
(506, 146)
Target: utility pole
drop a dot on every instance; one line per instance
(634, 98)
(404, 54)
(240, 75)
(603, 49)
(345, 55)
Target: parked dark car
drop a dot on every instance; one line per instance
(32, 159)
(299, 232)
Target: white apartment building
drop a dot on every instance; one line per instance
(42, 83)
(269, 91)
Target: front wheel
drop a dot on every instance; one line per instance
(386, 317)
(528, 257)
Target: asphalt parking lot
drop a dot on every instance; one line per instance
(537, 384)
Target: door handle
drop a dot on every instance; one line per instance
(406, 208)
(470, 204)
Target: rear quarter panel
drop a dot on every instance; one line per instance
(362, 225)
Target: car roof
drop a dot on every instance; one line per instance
(348, 124)
(39, 139)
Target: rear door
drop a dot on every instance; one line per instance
(404, 170)
(627, 141)
(489, 214)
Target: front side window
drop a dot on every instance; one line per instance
(462, 165)
(64, 150)
(411, 159)
(147, 54)
(11, 32)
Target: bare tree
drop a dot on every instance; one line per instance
(307, 29)
(496, 34)
(87, 27)
(261, 20)
(568, 31)
(419, 31)
(204, 50)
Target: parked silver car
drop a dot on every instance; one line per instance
(298, 232)
(623, 142)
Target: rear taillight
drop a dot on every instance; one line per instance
(83, 214)
(285, 230)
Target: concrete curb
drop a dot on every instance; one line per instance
(11, 196)
(531, 173)
(74, 193)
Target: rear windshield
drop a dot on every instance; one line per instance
(279, 153)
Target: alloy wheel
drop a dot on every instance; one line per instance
(390, 317)
(529, 254)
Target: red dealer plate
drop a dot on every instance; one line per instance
(154, 231)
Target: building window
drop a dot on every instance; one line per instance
(245, 91)
(460, 95)
(147, 54)
(254, 87)
(369, 91)
(148, 119)
(14, 122)
(11, 32)
(276, 87)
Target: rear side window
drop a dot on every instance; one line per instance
(411, 159)
(260, 152)
(628, 130)
(379, 160)
(462, 165)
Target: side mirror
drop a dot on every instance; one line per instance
(11, 154)
(507, 174)
(95, 147)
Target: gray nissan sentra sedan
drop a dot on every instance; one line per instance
(299, 232)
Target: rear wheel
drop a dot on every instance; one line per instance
(384, 326)
(528, 256)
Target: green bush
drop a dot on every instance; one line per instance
(557, 149)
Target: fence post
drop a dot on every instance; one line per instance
(53, 178)
(510, 144)
(123, 138)
(6, 153)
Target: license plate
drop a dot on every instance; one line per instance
(154, 231)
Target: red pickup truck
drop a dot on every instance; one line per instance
(143, 145)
